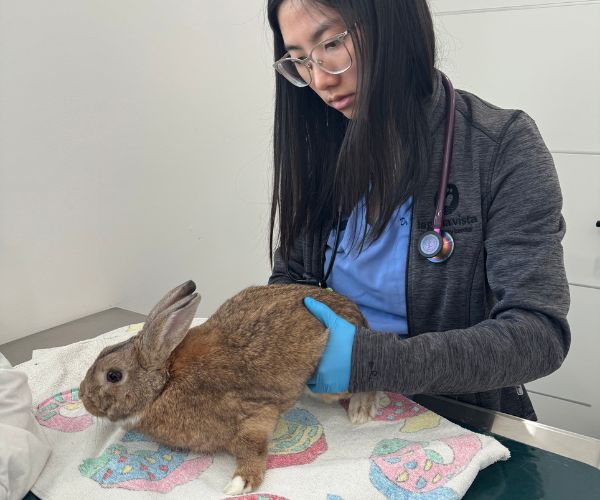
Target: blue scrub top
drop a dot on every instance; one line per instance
(375, 278)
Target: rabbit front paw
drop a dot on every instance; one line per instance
(362, 407)
(237, 486)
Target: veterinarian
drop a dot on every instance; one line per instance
(23, 446)
(436, 212)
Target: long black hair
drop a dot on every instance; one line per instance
(322, 161)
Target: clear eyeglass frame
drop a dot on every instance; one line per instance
(307, 62)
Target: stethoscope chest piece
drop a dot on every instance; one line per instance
(436, 247)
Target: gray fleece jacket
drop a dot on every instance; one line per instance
(493, 316)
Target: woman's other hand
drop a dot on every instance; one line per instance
(333, 373)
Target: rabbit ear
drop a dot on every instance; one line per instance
(172, 296)
(165, 332)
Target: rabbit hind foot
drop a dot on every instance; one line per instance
(362, 407)
(248, 476)
(237, 486)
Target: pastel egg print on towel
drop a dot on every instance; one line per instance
(406, 451)
(64, 412)
(150, 467)
(259, 496)
(404, 469)
(298, 439)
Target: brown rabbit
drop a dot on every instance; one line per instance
(221, 385)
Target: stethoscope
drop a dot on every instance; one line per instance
(436, 245)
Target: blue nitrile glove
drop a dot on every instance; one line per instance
(333, 373)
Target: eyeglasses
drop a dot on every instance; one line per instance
(331, 56)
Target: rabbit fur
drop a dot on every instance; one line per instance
(221, 385)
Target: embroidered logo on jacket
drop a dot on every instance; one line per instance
(454, 222)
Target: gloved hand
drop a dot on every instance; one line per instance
(333, 373)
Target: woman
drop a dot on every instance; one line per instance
(359, 154)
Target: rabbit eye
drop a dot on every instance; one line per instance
(114, 376)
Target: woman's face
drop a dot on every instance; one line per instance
(303, 25)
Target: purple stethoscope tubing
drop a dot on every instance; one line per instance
(447, 155)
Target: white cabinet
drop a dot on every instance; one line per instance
(544, 58)
(545, 61)
(580, 183)
(570, 397)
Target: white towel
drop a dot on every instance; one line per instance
(315, 453)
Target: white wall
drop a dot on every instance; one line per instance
(134, 154)
(544, 58)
